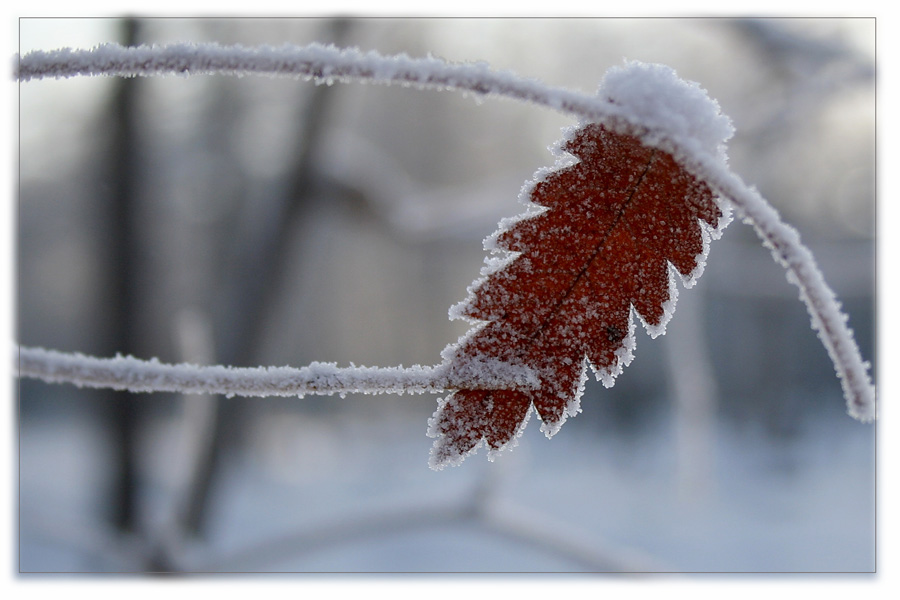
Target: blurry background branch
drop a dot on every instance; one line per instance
(123, 307)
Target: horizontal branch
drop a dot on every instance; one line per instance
(324, 379)
(324, 64)
(327, 64)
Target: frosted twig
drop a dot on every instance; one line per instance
(324, 64)
(828, 320)
(327, 64)
(135, 375)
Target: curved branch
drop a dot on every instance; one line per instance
(827, 318)
(324, 379)
(324, 64)
(327, 64)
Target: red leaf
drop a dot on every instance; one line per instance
(616, 224)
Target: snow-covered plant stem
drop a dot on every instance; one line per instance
(327, 64)
(828, 320)
(136, 375)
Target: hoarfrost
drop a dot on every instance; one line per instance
(654, 98)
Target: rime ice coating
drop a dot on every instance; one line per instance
(135, 375)
(635, 85)
(599, 243)
(655, 99)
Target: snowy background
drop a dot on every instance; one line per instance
(256, 221)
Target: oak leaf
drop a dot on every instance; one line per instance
(601, 243)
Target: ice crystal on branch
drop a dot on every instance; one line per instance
(600, 243)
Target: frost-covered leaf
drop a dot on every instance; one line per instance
(602, 241)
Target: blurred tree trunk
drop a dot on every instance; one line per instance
(122, 291)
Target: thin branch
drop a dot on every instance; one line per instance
(327, 64)
(324, 379)
(828, 320)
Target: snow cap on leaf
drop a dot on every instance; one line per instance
(653, 98)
